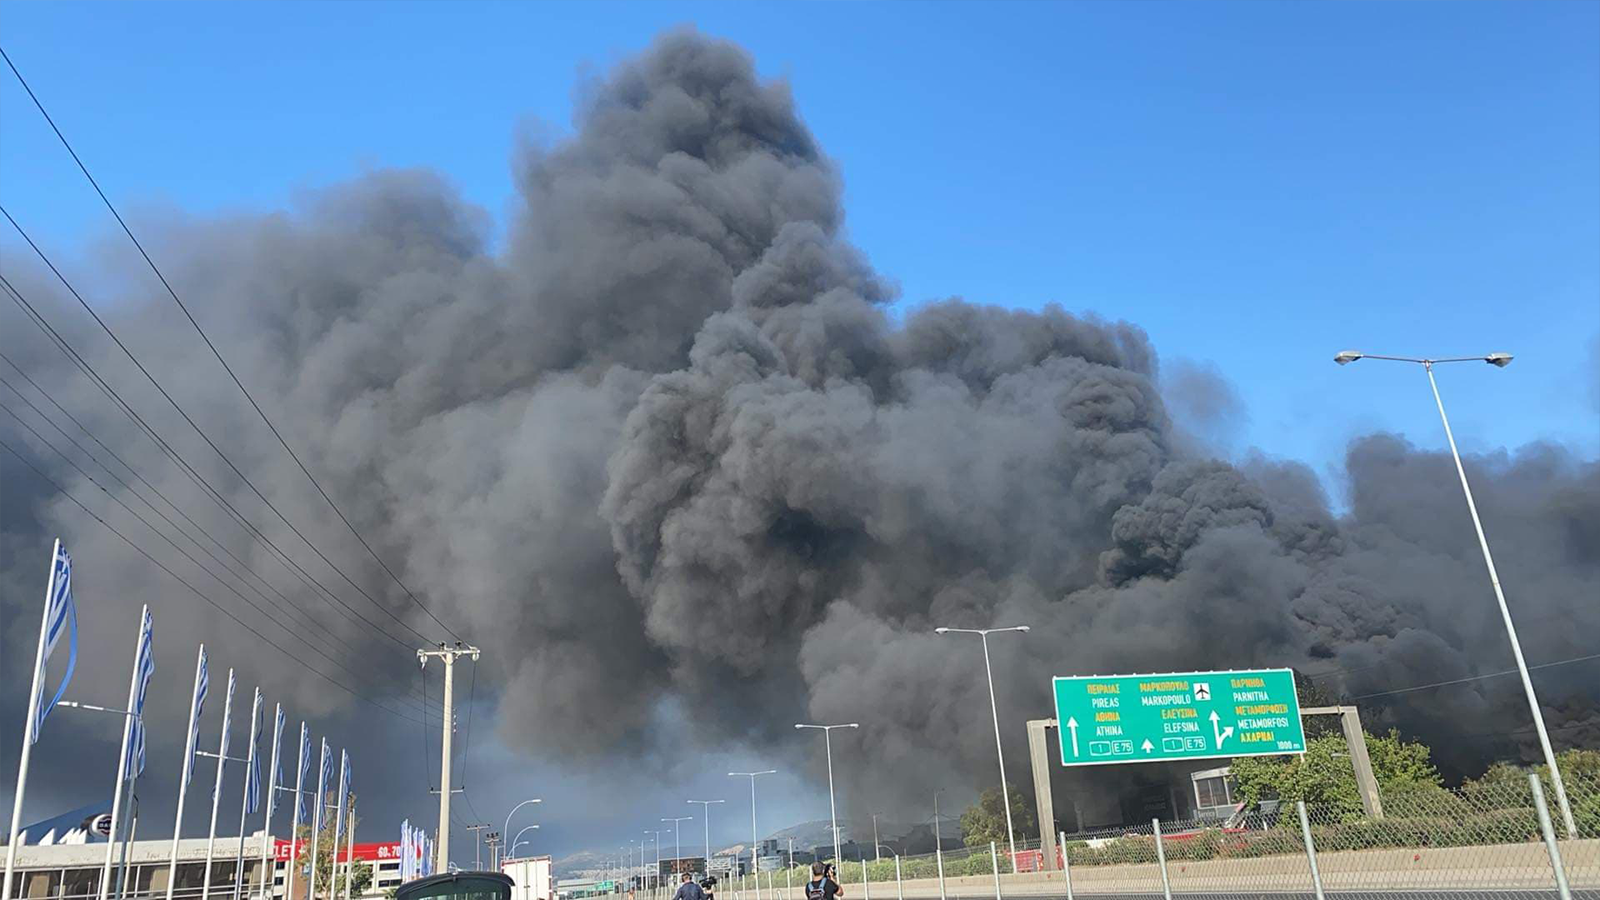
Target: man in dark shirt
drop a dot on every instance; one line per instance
(689, 890)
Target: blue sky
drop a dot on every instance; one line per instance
(1258, 185)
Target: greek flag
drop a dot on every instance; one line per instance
(305, 766)
(348, 774)
(277, 736)
(60, 614)
(323, 774)
(405, 843)
(252, 774)
(145, 666)
(202, 682)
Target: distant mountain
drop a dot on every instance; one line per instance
(582, 864)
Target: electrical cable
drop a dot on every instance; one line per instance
(196, 591)
(183, 464)
(316, 627)
(1423, 687)
(214, 352)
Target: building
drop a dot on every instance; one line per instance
(72, 871)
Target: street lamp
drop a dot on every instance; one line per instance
(1499, 360)
(507, 828)
(755, 839)
(1005, 790)
(877, 848)
(642, 870)
(833, 810)
(677, 838)
(706, 817)
(938, 842)
(517, 840)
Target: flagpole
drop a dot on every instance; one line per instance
(272, 796)
(216, 788)
(122, 762)
(183, 783)
(294, 824)
(27, 729)
(316, 820)
(127, 837)
(350, 853)
(244, 802)
(338, 825)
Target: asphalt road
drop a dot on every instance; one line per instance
(1307, 895)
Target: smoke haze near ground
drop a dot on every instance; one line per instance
(668, 456)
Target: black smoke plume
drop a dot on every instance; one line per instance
(669, 449)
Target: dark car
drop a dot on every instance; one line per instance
(458, 886)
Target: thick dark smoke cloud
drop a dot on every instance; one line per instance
(669, 451)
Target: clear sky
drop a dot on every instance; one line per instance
(1258, 185)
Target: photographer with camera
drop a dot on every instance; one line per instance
(823, 884)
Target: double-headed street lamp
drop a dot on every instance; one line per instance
(706, 817)
(755, 839)
(1499, 360)
(1005, 790)
(515, 842)
(833, 810)
(677, 836)
(507, 828)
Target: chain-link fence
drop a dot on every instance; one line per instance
(1480, 842)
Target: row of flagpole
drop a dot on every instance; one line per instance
(60, 617)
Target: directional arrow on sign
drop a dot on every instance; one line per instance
(1072, 726)
(1221, 733)
(1147, 746)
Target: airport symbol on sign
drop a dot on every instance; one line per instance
(1186, 715)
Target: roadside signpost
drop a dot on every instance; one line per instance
(1182, 715)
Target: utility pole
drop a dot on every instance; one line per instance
(493, 840)
(448, 654)
(477, 831)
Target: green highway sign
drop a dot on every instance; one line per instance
(1183, 715)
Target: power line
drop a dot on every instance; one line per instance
(315, 627)
(214, 352)
(197, 592)
(183, 464)
(1423, 687)
(196, 563)
(198, 430)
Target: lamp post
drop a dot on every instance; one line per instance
(1005, 790)
(938, 842)
(833, 809)
(507, 828)
(515, 841)
(677, 838)
(1498, 360)
(877, 848)
(755, 838)
(706, 818)
(642, 870)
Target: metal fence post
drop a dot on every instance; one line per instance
(899, 885)
(866, 888)
(1311, 848)
(994, 864)
(1161, 857)
(1562, 889)
(1066, 867)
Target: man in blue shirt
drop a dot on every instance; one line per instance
(689, 890)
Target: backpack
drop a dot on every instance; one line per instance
(814, 889)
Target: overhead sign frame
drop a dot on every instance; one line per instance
(1177, 716)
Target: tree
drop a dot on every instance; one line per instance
(326, 888)
(1325, 775)
(985, 820)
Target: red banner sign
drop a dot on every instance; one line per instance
(282, 851)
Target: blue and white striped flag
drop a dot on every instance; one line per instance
(305, 766)
(323, 773)
(405, 850)
(277, 737)
(252, 772)
(202, 683)
(144, 666)
(61, 615)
